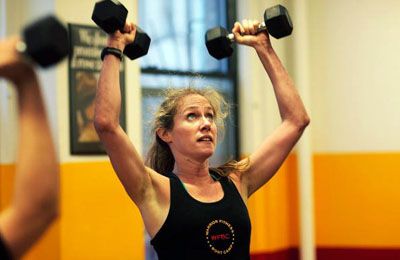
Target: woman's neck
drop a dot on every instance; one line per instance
(191, 171)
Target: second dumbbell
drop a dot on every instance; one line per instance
(110, 15)
(276, 20)
(44, 41)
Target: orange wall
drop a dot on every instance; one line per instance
(356, 196)
(7, 172)
(274, 211)
(98, 220)
(357, 200)
(48, 246)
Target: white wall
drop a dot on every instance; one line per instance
(54, 81)
(354, 47)
(354, 57)
(259, 114)
(3, 91)
(14, 16)
(77, 11)
(354, 76)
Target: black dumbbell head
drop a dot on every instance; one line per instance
(278, 21)
(109, 15)
(218, 44)
(46, 41)
(139, 47)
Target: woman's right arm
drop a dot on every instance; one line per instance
(126, 161)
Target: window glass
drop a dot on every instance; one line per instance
(177, 30)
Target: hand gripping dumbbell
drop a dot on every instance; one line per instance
(110, 15)
(45, 41)
(276, 20)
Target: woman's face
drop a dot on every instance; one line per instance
(194, 133)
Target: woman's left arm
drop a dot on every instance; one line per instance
(268, 158)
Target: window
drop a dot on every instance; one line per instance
(178, 52)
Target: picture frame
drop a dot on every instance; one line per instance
(84, 66)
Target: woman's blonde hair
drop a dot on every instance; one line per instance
(159, 156)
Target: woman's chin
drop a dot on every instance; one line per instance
(208, 154)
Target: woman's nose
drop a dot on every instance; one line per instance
(205, 123)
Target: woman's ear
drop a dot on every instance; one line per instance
(164, 135)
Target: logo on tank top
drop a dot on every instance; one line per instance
(220, 236)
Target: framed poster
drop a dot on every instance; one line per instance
(86, 43)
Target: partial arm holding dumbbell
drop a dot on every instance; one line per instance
(35, 200)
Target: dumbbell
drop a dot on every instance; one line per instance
(44, 41)
(276, 19)
(110, 16)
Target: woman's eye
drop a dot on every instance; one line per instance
(191, 116)
(210, 117)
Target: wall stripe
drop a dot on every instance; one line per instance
(333, 254)
(286, 254)
(358, 253)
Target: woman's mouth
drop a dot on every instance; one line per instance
(205, 138)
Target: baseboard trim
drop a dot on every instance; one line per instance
(333, 254)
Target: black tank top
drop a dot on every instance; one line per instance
(198, 230)
(4, 252)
